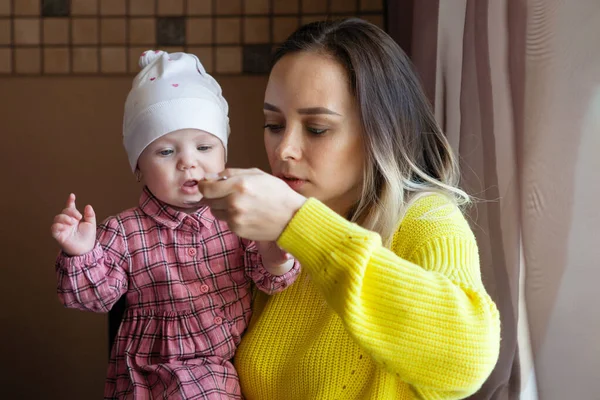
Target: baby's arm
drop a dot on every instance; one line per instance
(91, 273)
(271, 268)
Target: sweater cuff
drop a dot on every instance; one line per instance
(314, 232)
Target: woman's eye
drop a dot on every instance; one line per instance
(317, 131)
(274, 128)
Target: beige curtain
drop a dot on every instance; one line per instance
(461, 56)
(516, 87)
(560, 152)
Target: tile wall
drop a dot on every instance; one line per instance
(99, 37)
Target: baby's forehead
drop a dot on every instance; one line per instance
(188, 134)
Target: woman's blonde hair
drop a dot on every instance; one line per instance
(406, 152)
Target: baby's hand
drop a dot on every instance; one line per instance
(76, 234)
(275, 260)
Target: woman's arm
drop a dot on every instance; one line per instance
(424, 315)
(427, 318)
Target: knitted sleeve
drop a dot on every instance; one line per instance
(420, 311)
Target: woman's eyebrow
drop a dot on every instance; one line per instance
(306, 111)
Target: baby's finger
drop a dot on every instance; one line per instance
(59, 229)
(71, 201)
(65, 219)
(72, 212)
(90, 215)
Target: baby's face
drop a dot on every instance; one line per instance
(172, 165)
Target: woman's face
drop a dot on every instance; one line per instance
(313, 133)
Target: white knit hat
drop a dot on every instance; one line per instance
(172, 92)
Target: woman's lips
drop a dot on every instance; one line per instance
(293, 182)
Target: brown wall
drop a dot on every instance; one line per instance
(62, 135)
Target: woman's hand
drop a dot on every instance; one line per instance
(255, 205)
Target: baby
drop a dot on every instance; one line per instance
(186, 277)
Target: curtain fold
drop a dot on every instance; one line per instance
(516, 87)
(462, 55)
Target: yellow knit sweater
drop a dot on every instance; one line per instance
(364, 322)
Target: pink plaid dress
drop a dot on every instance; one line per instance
(187, 281)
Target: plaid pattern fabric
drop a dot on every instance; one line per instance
(187, 280)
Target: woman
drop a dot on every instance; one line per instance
(390, 303)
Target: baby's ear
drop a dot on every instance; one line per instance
(138, 174)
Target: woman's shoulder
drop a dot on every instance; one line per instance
(431, 216)
(432, 206)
